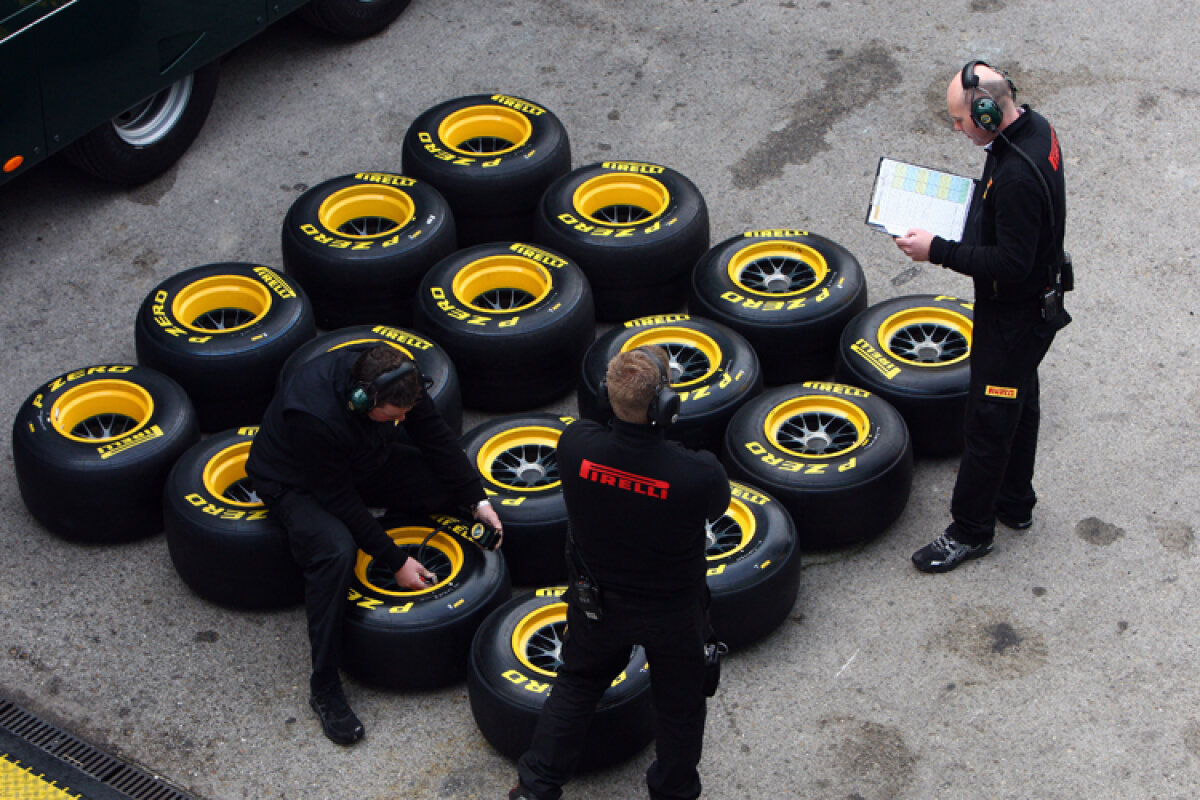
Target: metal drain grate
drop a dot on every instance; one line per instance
(114, 773)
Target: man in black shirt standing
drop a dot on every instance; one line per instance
(328, 450)
(636, 506)
(1012, 248)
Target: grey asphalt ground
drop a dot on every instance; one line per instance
(1062, 666)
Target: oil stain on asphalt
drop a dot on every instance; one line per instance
(990, 638)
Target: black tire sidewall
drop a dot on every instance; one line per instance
(365, 279)
(932, 398)
(835, 500)
(229, 374)
(101, 491)
(507, 696)
(795, 334)
(535, 519)
(657, 253)
(510, 360)
(230, 553)
(755, 586)
(420, 640)
(494, 185)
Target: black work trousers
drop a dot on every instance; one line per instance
(593, 654)
(1003, 415)
(326, 551)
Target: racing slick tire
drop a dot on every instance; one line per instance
(753, 558)
(224, 543)
(837, 457)
(146, 139)
(915, 352)
(359, 245)
(401, 639)
(514, 659)
(431, 360)
(516, 456)
(714, 370)
(515, 319)
(352, 19)
(789, 292)
(92, 449)
(635, 229)
(491, 157)
(223, 331)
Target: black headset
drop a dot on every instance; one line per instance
(365, 394)
(663, 410)
(985, 111)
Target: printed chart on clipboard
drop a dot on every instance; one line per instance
(909, 196)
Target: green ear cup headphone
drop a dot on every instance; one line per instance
(365, 394)
(985, 111)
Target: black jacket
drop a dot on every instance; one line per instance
(637, 506)
(311, 440)
(1009, 245)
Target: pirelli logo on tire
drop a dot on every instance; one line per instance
(875, 358)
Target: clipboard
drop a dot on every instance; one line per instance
(911, 196)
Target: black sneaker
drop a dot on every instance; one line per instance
(519, 792)
(1014, 523)
(945, 553)
(339, 722)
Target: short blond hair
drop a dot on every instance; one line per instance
(633, 378)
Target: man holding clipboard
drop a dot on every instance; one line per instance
(1012, 248)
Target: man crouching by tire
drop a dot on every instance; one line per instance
(636, 508)
(328, 450)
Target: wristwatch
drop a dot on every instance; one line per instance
(484, 502)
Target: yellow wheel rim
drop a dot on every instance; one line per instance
(101, 411)
(537, 639)
(621, 199)
(443, 554)
(366, 210)
(222, 303)
(224, 476)
(731, 533)
(522, 459)
(505, 283)
(817, 426)
(485, 130)
(777, 268)
(927, 336)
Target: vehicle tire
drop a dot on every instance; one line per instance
(753, 567)
(224, 543)
(352, 19)
(93, 447)
(517, 457)
(713, 368)
(635, 229)
(430, 359)
(515, 319)
(837, 457)
(491, 157)
(514, 659)
(400, 639)
(223, 331)
(144, 140)
(359, 245)
(915, 352)
(790, 293)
